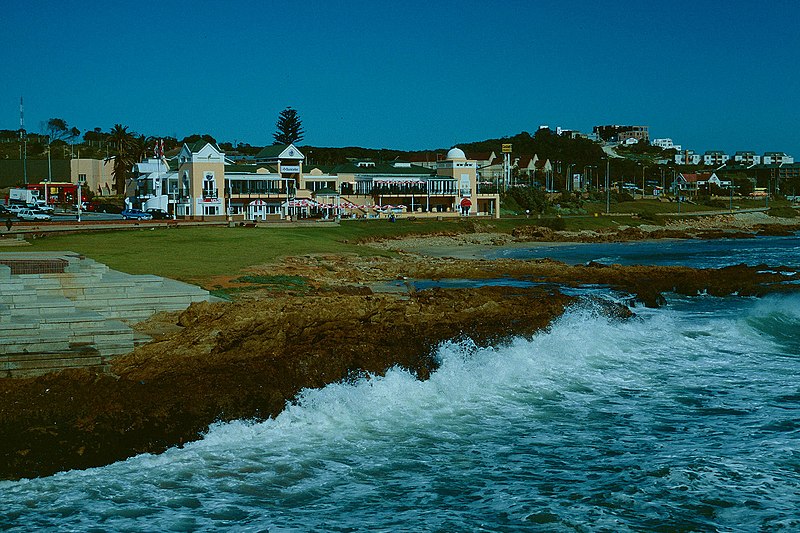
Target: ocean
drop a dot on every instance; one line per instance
(683, 418)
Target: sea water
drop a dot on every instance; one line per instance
(712, 253)
(683, 418)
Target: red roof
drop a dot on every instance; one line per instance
(694, 178)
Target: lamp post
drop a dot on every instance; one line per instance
(80, 199)
(643, 169)
(567, 177)
(608, 186)
(585, 173)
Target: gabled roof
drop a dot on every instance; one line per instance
(199, 145)
(524, 161)
(276, 151)
(695, 177)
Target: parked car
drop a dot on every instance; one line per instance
(33, 215)
(136, 214)
(104, 208)
(3, 210)
(159, 214)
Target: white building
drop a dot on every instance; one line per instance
(688, 157)
(746, 157)
(715, 158)
(776, 158)
(666, 144)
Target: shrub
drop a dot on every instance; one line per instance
(783, 212)
(557, 224)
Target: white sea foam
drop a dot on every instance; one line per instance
(595, 421)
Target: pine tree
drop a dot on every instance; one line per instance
(289, 127)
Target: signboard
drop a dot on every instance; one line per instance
(290, 169)
(506, 148)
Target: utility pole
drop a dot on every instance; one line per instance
(24, 140)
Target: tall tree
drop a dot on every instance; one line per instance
(122, 140)
(56, 129)
(289, 127)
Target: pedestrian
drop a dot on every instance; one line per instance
(8, 223)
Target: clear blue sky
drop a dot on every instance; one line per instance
(409, 75)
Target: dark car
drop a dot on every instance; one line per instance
(104, 208)
(136, 214)
(159, 214)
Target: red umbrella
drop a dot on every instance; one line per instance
(466, 202)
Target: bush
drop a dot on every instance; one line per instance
(718, 203)
(557, 224)
(621, 197)
(525, 198)
(647, 214)
(783, 212)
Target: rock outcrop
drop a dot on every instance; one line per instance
(241, 361)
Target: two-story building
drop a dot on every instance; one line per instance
(201, 182)
(715, 158)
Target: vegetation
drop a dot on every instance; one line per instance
(122, 140)
(199, 254)
(289, 127)
(784, 212)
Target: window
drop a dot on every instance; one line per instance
(209, 186)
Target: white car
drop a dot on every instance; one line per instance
(33, 215)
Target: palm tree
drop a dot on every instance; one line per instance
(139, 146)
(122, 140)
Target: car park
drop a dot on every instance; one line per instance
(33, 215)
(159, 214)
(136, 214)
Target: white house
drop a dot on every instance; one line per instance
(776, 158)
(688, 157)
(746, 157)
(666, 144)
(715, 158)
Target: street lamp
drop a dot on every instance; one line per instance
(643, 169)
(608, 189)
(566, 178)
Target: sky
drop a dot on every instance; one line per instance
(409, 75)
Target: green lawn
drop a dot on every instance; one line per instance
(194, 254)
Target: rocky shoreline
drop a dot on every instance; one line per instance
(247, 359)
(475, 243)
